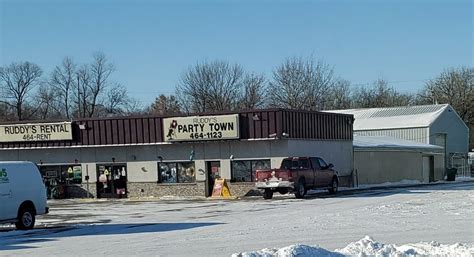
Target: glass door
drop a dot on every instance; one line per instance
(213, 172)
(111, 180)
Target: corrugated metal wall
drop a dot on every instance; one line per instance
(317, 125)
(253, 125)
(413, 134)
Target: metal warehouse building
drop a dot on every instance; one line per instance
(428, 124)
(387, 159)
(179, 156)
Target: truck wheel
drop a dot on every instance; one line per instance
(334, 186)
(268, 194)
(300, 190)
(26, 218)
(283, 191)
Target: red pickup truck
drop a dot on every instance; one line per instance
(297, 174)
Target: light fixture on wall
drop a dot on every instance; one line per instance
(256, 117)
(82, 126)
(284, 134)
(273, 135)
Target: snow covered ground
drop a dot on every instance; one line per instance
(396, 219)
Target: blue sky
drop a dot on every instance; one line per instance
(153, 42)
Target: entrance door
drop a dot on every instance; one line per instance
(111, 181)
(428, 167)
(213, 172)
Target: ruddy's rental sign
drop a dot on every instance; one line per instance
(201, 128)
(36, 132)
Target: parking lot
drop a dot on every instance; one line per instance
(442, 213)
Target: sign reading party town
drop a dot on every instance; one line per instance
(36, 132)
(198, 128)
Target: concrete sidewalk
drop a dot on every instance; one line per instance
(342, 191)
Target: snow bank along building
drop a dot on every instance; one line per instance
(426, 125)
(174, 156)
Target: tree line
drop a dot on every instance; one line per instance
(306, 84)
(74, 90)
(70, 91)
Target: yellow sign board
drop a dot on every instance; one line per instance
(36, 132)
(199, 128)
(220, 188)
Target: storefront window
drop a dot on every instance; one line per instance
(75, 174)
(55, 178)
(66, 174)
(177, 172)
(168, 173)
(186, 172)
(244, 170)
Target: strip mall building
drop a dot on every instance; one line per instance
(174, 156)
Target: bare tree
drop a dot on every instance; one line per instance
(134, 107)
(82, 92)
(210, 86)
(116, 99)
(99, 74)
(454, 86)
(91, 82)
(46, 105)
(380, 94)
(339, 96)
(17, 81)
(165, 105)
(301, 84)
(254, 93)
(6, 112)
(63, 80)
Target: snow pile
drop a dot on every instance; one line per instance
(437, 249)
(367, 246)
(403, 182)
(290, 251)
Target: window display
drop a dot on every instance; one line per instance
(176, 172)
(56, 177)
(244, 170)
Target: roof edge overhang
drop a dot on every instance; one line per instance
(394, 149)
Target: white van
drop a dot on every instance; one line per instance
(22, 194)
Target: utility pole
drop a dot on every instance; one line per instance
(78, 97)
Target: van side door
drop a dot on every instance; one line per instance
(8, 210)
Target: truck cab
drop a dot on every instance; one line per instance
(297, 174)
